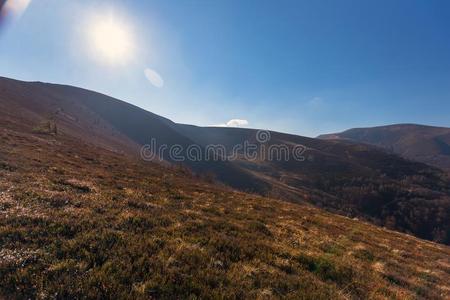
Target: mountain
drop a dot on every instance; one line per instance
(356, 180)
(81, 217)
(427, 144)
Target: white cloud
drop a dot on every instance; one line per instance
(154, 78)
(233, 123)
(237, 123)
(315, 103)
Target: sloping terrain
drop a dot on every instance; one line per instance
(356, 180)
(79, 220)
(427, 144)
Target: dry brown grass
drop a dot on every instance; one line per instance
(81, 222)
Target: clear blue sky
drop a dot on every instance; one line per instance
(304, 67)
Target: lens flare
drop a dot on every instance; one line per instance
(154, 78)
(12, 9)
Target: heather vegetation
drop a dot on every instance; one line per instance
(354, 180)
(79, 221)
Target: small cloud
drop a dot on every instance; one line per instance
(154, 78)
(237, 123)
(233, 123)
(315, 103)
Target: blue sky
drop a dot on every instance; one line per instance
(304, 67)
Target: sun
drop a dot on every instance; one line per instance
(111, 40)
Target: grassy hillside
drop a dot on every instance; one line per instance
(79, 221)
(356, 180)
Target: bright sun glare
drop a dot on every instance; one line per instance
(111, 40)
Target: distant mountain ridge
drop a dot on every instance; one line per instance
(427, 144)
(356, 180)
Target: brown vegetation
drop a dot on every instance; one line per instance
(355, 180)
(79, 221)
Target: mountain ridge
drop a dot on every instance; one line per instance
(80, 221)
(356, 180)
(424, 143)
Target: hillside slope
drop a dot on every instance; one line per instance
(427, 144)
(79, 220)
(353, 179)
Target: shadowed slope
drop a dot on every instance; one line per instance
(79, 221)
(353, 179)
